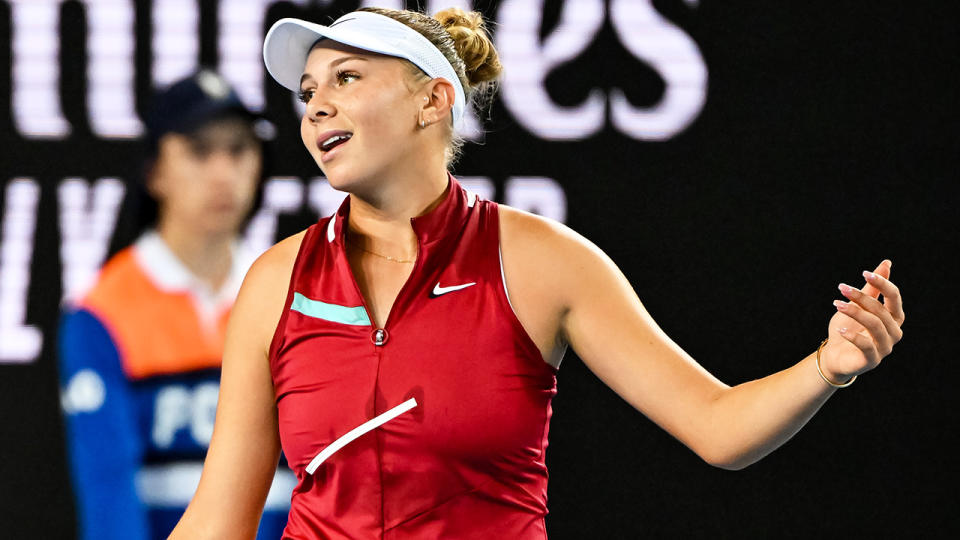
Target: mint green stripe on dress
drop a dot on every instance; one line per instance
(330, 312)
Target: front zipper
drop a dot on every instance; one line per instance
(380, 336)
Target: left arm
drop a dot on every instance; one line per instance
(729, 427)
(602, 318)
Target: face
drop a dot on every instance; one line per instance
(370, 102)
(207, 180)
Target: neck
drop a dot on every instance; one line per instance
(208, 257)
(381, 223)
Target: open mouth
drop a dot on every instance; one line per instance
(334, 141)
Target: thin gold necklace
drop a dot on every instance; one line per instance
(387, 257)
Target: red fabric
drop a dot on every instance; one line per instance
(468, 461)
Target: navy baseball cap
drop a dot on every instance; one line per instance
(189, 103)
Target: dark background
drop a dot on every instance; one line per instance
(827, 143)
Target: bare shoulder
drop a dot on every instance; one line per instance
(264, 290)
(277, 260)
(542, 234)
(544, 263)
(551, 251)
(524, 226)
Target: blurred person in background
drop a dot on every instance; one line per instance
(140, 352)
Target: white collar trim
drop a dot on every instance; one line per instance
(331, 231)
(170, 275)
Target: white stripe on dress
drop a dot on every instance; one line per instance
(369, 425)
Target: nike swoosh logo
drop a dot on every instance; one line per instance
(440, 291)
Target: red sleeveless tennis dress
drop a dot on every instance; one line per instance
(467, 461)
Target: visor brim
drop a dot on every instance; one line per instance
(289, 42)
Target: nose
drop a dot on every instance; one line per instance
(223, 165)
(319, 107)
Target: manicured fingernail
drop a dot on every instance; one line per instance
(840, 305)
(844, 288)
(869, 275)
(842, 330)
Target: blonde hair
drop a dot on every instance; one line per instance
(463, 40)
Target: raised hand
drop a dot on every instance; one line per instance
(864, 330)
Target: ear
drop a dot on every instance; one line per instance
(439, 103)
(149, 174)
(153, 180)
(156, 172)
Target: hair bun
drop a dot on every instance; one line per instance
(469, 33)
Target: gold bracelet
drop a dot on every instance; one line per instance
(824, 377)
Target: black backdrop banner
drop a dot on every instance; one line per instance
(736, 161)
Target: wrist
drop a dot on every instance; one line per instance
(835, 380)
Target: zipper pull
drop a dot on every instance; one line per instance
(379, 337)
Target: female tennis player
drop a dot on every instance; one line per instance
(403, 351)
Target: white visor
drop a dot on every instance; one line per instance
(288, 43)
